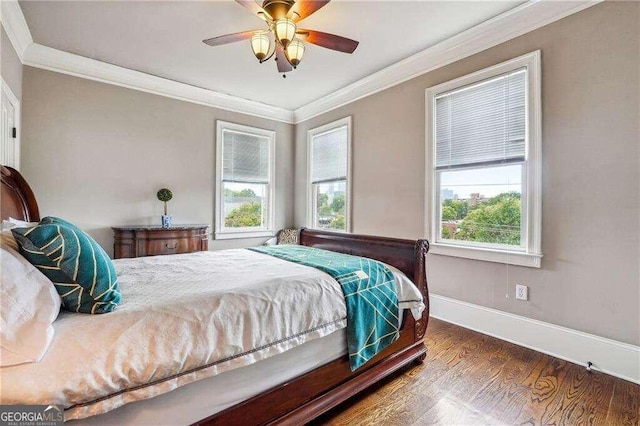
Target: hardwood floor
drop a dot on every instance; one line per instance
(471, 378)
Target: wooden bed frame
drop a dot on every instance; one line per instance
(308, 396)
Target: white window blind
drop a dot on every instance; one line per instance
(245, 158)
(330, 156)
(482, 124)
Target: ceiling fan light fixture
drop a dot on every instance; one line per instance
(286, 43)
(285, 30)
(294, 51)
(260, 44)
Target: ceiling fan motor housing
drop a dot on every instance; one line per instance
(278, 8)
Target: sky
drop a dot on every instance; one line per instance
(488, 181)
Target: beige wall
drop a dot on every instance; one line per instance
(589, 278)
(96, 154)
(10, 65)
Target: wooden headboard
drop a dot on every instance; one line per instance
(17, 199)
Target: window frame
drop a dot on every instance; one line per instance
(530, 253)
(318, 131)
(222, 233)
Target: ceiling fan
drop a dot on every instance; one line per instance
(281, 17)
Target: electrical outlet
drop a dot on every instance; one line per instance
(522, 292)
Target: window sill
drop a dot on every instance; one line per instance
(232, 235)
(488, 255)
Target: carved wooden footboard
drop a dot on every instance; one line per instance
(306, 397)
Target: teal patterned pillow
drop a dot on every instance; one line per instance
(82, 272)
(54, 220)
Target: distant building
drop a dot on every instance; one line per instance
(452, 227)
(333, 193)
(447, 194)
(475, 198)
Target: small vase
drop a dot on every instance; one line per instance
(166, 220)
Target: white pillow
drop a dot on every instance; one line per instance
(270, 242)
(17, 223)
(29, 303)
(8, 240)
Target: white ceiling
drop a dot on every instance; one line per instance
(163, 38)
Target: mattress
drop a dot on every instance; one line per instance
(185, 318)
(201, 399)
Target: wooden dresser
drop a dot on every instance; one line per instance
(147, 240)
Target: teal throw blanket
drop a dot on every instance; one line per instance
(370, 294)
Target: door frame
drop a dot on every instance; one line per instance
(17, 122)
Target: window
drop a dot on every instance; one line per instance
(328, 199)
(244, 181)
(483, 164)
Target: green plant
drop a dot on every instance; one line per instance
(338, 203)
(164, 195)
(448, 213)
(495, 221)
(245, 216)
(337, 222)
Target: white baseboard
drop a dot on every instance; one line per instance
(608, 356)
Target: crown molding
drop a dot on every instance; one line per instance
(16, 26)
(39, 56)
(520, 20)
(47, 58)
(506, 26)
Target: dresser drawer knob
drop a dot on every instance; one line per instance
(175, 246)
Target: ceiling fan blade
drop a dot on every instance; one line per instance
(281, 60)
(304, 8)
(254, 7)
(229, 38)
(329, 41)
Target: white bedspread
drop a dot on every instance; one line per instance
(183, 318)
